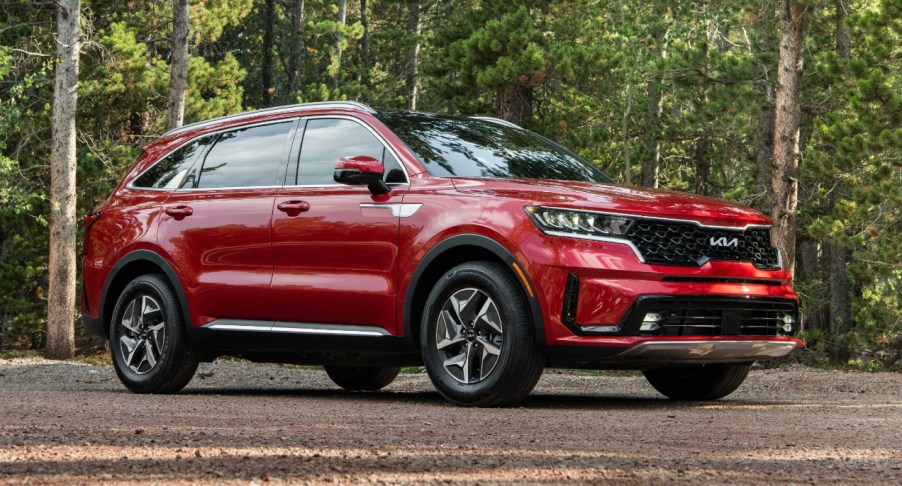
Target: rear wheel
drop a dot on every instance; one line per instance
(148, 340)
(477, 338)
(362, 378)
(701, 382)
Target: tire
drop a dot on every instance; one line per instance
(701, 382)
(148, 339)
(483, 354)
(363, 378)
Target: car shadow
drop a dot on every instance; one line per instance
(539, 401)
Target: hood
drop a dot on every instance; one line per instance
(617, 199)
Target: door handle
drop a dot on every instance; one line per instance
(179, 212)
(293, 208)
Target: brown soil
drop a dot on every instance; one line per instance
(239, 423)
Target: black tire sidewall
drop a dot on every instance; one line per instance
(514, 318)
(175, 343)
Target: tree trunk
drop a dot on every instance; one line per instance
(296, 52)
(784, 182)
(515, 103)
(838, 255)
(266, 75)
(414, 30)
(652, 158)
(843, 37)
(702, 165)
(61, 294)
(339, 39)
(764, 153)
(178, 77)
(365, 43)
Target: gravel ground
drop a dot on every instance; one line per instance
(240, 423)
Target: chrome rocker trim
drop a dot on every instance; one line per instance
(295, 328)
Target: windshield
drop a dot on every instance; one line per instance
(461, 147)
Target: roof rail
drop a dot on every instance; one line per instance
(274, 110)
(497, 121)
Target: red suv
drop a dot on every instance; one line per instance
(364, 240)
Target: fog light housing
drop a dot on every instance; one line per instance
(650, 322)
(788, 321)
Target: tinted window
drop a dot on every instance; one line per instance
(169, 172)
(457, 147)
(328, 139)
(249, 157)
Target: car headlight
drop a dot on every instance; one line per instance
(578, 223)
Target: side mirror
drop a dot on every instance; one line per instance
(361, 170)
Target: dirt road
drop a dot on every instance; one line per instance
(240, 423)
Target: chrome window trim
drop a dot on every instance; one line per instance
(274, 111)
(364, 125)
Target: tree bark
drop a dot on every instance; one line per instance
(296, 52)
(178, 77)
(764, 153)
(515, 103)
(61, 293)
(702, 165)
(364, 21)
(266, 75)
(837, 253)
(342, 19)
(652, 159)
(414, 31)
(784, 182)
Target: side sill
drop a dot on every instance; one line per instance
(295, 328)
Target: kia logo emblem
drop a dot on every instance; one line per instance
(723, 241)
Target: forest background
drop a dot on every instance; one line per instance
(679, 95)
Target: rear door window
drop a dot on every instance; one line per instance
(246, 157)
(169, 172)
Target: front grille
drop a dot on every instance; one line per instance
(714, 316)
(687, 244)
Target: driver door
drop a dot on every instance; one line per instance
(336, 259)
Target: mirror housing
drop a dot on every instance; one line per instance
(360, 170)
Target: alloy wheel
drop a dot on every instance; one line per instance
(469, 335)
(143, 334)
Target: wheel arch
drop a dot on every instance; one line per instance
(132, 265)
(451, 252)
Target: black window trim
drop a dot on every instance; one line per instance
(365, 125)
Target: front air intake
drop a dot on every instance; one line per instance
(571, 296)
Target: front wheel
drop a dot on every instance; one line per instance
(701, 382)
(362, 378)
(148, 340)
(477, 339)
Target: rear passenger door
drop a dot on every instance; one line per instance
(216, 226)
(336, 262)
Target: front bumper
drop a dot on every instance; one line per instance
(647, 353)
(706, 351)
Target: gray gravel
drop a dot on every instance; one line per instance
(240, 423)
